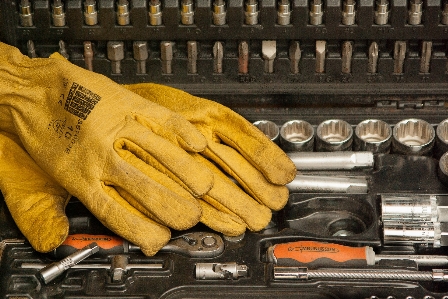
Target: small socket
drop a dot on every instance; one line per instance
(57, 13)
(123, 17)
(90, 13)
(219, 13)
(334, 135)
(251, 12)
(297, 135)
(316, 12)
(269, 128)
(382, 12)
(413, 137)
(373, 135)
(284, 13)
(187, 12)
(348, 13)
(155, 13)
(415, 12)
(26, 15)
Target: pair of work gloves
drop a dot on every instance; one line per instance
(142, 158)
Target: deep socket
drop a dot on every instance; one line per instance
(57, 14)
(297, 135)
(373, 135)
(219, 13)
(413, 137)
(284, 12)
(187, 12)
(334, 135)
(155, 13)
(251, 12)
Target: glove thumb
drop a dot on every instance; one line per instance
(35, 201)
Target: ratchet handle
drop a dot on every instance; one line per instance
(318, 254)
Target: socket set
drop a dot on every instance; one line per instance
(353, 91)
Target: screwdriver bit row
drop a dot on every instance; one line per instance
(116, 53)
(252, 12)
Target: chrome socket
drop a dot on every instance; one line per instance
(415, 12)
(155, 13)
(26, 15)
(441, 146)
(269, 128)
(251, 12)
(316, 13)
(219, 13)
(334, 135)
(187, 12)
(90, 13)
(58, 14)
(413, 137)
(284, 13)
(382, 12)
(297, 135)
(348, 13)
(373, 135)
(123, 17)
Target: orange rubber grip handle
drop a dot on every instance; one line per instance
(309, 251)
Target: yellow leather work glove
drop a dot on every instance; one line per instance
(35, 200)
(242, 151)
(95, 138)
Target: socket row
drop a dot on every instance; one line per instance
(218, 10)
(116, 52)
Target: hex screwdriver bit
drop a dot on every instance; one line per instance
(399, 56)
(347, 53)
(294, 56)
(269, 52)
(425, 60)
(166, 56)
(31, 49)
(63, 49)
(192, 53)
(243, 58)
(140, 55)
(115, 53)
(218, 55)
(321, 49)
(373, 58)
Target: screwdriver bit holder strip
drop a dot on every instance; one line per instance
(385, 81)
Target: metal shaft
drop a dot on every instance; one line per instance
(332, 160)
(302, 273)
(327, 184)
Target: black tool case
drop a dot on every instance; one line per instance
(408, 80)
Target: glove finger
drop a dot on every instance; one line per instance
(35, 201)
(212, 118)
(226, 223)
(226, 197)
(124, 220)
(155, 192)
(250, 179)
(176, 163)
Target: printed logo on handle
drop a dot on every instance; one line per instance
(81, 101)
